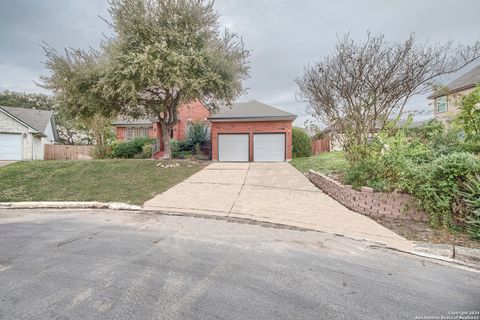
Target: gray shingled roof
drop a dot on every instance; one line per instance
(467, 80)
(470, 78)
(251, 110)
(37, 119)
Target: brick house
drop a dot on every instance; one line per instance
(127, 129)
(447, 100)
(251, 131)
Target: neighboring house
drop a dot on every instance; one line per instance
(24, 132)
(127, 129)
(447, 100)
(251, 131)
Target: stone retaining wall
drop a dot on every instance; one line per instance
(368, 202)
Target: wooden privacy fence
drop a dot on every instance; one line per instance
(67, 152)
(319, 146)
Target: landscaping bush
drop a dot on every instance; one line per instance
(131, 149)
(180, 149)
(301, 145)
(197, 136)
(437, 185)
(102, 152)
(471, 197)
(386, 159)
(425, 133)
(147, 151)
(182, 154)
(469, 119)
(430, 164)
(197, 133)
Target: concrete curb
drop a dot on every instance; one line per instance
(69, 205)
(471, 261)
(472, 266)
(469, 255)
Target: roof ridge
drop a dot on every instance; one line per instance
(37, 119)
(473, 72)
(26, 108)
(251, 109)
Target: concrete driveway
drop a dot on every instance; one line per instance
(270, 192)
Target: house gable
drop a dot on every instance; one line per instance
(11, 124)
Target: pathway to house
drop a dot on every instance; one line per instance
(270, 192)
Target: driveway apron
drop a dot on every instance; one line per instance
(270, 192)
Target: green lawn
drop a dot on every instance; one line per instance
(326, 163)
(130, 181)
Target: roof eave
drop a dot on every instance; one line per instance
(245, 119)
(19, 121)
(129, 124)
(441, 94)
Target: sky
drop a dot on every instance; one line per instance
(284, 36)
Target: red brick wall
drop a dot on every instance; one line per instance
(194, 112)
(120, 133)
(152, 132)
(368, 202)
(251, 127)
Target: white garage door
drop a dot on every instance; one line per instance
(269, 147)
(10, 146)
(233, 147)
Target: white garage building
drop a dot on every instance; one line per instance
(24, 132)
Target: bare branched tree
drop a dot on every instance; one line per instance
(360, 86)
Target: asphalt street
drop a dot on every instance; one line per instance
(82, 264)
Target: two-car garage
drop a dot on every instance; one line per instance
(266, 147)
(251, 131)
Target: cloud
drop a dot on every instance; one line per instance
(284, 35)
(15, 78)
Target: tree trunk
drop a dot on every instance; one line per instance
(167, 150)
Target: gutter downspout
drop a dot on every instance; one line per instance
(33, 144)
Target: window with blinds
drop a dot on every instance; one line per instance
(134, 132)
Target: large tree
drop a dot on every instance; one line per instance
(26, 100)
(75, 81)
(163, 53)
(358, 88)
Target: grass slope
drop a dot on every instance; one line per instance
(326, 163)
(130, 181)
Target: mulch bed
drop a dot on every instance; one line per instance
(421, 231)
